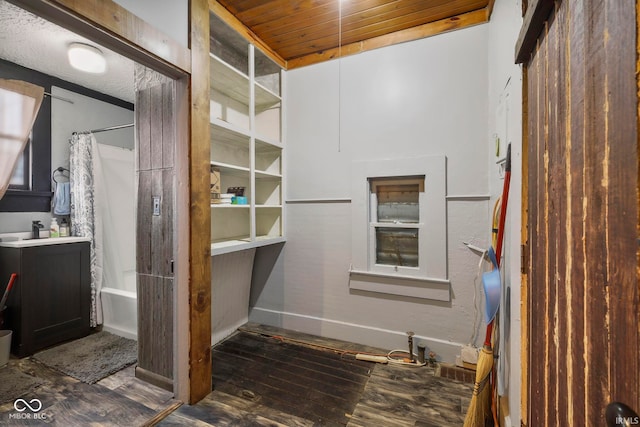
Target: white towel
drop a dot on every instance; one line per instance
(62, 199)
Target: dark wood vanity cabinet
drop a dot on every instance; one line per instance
(50, 300)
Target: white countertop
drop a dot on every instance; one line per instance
(26, 243)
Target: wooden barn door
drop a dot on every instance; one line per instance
(581, 137)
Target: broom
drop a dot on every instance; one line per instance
(479, 408)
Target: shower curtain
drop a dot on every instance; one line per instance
(117, 200)
(85, 185)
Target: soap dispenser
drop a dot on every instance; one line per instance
(54, 230)
(64, 228)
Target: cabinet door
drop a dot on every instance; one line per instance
(56, 292)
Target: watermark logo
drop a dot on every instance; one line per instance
(627, 421)
(21, 405)
(27, 410)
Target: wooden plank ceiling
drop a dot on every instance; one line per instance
(304, 32)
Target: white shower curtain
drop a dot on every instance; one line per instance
(85, 180)
(117, 200)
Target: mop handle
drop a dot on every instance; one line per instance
(503, 205)
(6, 292)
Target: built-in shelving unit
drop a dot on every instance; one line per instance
(246, 141)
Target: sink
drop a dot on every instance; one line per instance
(25, 240)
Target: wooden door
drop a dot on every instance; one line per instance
(155, 138)
(581, 121)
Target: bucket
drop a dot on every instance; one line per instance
(5, 347)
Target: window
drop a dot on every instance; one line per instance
(30, 191)
(20, 178)
(399, 227)
(395, 222)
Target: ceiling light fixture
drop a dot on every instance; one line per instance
(86, 58)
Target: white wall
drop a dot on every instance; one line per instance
(427, 97)
(505, 119)
(169, 16)
(84, 114)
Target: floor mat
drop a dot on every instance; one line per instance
(315, 384)
(91, 358)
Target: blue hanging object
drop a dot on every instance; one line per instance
(491, 283)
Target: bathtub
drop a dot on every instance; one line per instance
(120, 312)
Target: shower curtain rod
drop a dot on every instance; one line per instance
(107, 128)
(111, 128)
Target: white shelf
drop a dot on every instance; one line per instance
(265, 99)
(246, 131)
(228, 206)
(228, 81)
(228, 130)
(267, 144)
(267, 175)
(230, 169)
(228, 246)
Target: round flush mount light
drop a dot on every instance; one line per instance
(86, 58)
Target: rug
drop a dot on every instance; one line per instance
(15, 383)
(91, 358)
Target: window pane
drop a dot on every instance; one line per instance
(18, 173)
(397, 246)
(397, 199)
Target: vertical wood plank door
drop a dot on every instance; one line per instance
(582, 213)
(154, 233)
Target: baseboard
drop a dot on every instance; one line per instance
(446, 351)
(155, 379)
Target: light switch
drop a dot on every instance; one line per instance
(156, 206)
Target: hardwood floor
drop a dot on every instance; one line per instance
(118, 400)
(267, 376)
(262, 376)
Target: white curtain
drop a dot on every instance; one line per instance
(19, 105)
(86, 186)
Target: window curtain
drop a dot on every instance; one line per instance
(19, 105)
(85, 168)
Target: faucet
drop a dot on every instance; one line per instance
(35, 229)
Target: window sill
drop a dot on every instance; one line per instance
(397, 284)
(26, 201)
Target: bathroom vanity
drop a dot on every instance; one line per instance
(50, 300)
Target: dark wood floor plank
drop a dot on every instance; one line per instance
(218, 413)
(366, 417)
(253, 407)
(323, 355)
(177, 419)
(288, 403)
(290, 376)
(325, 373)
(277, 348)
(293, 387)
(146, 394)
(307, 338)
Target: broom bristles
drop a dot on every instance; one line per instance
(481, 399)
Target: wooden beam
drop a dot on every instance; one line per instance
(537, 13)
(108, 23)
(427, 30)
(200, 212)
(526, 253)
(245, 32)
(489, 9)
